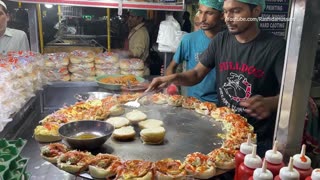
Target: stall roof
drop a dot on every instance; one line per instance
(167, 6)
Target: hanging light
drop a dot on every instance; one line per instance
(48, 6)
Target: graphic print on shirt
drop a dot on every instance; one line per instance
(237, 88)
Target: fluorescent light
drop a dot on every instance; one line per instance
(48, 6)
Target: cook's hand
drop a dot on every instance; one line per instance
(158, 83)
(260, 107)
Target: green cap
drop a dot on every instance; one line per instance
(215, 4)
(136, 12)
(261, 3)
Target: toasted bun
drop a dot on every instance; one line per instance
(168, 169)
(51, 152)
(98, 172)
(52, 160)
(118, 122)
(159, 98)
(42, 134)
(124, 133)
(70, 168)
(147, 176)
(153, 135)
(226, 165)
(47, 138)
(175, 100)
(117, 110)
(206, 174)
(205, 108)
(136, 116)
(150, 123)
(161, 176)
(190, 102)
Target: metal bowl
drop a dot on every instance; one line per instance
(73, 132)
(91, 95)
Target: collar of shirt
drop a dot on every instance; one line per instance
(8, 32)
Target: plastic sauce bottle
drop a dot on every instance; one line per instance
(302, 163)
(315, 175)
(262, 173)
(245, 148)
(288, 173)
(250, 163)
(274, 160)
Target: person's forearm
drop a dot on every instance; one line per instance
(171, 69)
(188, 78)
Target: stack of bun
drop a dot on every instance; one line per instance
(132, 66)
(107, 63)
(56, 66)
(82, 65)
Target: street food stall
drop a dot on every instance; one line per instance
(186, 130)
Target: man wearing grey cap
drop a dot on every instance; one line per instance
(10, 39)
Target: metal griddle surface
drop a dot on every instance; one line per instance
(186, 132)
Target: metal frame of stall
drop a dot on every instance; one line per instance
(295, 88)
(301, 48)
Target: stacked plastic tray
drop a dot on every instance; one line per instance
(12, 165)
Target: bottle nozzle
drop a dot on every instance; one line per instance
(303, 150)
(275, 147)
(254, 150)
(249, 139)
(290, 165)
(264, 166)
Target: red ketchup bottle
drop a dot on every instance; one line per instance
(288, 173)
(262, 173)
(302, 163)
(245, 148)
(274, 159)
(315, 175)
(250, 163)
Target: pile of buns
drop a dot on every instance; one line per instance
(81, 65)
(107, 63)
(56, 66)
(21, 76)
(132, 66)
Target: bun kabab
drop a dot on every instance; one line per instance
(47, 132)
(199, 166)
(223, 158)
(175, 100)
(74, 161)
(104, 166)
(190, 102)
(51, 152)
(136, 169)
(205, 108)
(169, 169)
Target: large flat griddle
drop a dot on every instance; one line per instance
(186, 132)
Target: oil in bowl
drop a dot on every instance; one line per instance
(86, 135)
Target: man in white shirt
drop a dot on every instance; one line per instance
(10, 39)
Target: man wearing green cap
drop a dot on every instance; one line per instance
(137, 44)
(249, 65)
(193, 44)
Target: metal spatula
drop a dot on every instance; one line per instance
(135, 103)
